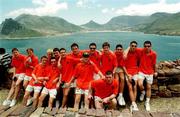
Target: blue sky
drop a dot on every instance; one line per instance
(82, 11)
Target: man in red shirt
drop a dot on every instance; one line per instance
(83, 74)
(30, 63)
(76, 53)
(50, 85)
(147, 69)
(67, 64)
(131, 64)
(120, 73)
(40, 75)
(56, 53)
(108, 59)
(105, 91)
(18, 63)
(95, 57)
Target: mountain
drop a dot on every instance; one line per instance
(46, 24)
(122, 22)
(12, 28)
(91, 25)
(165, 24)
(31, 25)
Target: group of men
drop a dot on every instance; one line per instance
(98, 75)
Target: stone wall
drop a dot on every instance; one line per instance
(167, 83)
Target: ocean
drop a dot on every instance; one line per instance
(167, 47)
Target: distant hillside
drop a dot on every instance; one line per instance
(167, 24)
(12, 28)
(91, 25)
(46, 24)
(125, 22)
(31, 25)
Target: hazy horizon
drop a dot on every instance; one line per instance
(82, 11)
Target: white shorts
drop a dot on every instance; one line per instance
(72, 85)
(96, 98)
(81, 91)
(36, 89)
(96, 76)
(27, 78)
(134, 77)
(20, 76)
(52, 92)
(147, 77)
(119, 69)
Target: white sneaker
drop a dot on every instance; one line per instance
(13, 103)
(147, 106)
(121, 101)
(6, 102)
(29, 101)
(134, 108)
(141, 97)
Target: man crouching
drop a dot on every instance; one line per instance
(105, 91)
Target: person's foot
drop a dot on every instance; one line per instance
(29, 101)
(142, 97)
(6, 102)
(134, 108)
(13, 103)
(147, 106)
(121, 101)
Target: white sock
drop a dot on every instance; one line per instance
(143, 92)
(147, 100)
(133, 103)
(120, 94)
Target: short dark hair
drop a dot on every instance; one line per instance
(74, 44)
(119, 45)
(85, 54)
(2, 51)
(105, 44)
(53, 57)
(109, 72)
(92, 44)
(62, 49)
(56, 49)
(44, 57)
(14, 49)
(29, 49)
(147, 42)
(133, 42)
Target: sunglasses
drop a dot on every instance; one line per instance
(133, 45)
(147, 46)
(92, 48)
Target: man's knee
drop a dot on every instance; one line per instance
(148, 86)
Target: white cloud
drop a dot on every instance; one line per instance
(107, 10)
(43, 7)
(82, 3)
(148, 9)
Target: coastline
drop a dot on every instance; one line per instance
(66, 34)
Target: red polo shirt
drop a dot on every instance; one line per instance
(18, 63)
(132, 61)
(54, 73)
(108, 62)
(31, 61)
(84, 73)
(40, 71)
(68, 65)
(120, 59)
(147, 62)
(103, 89)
